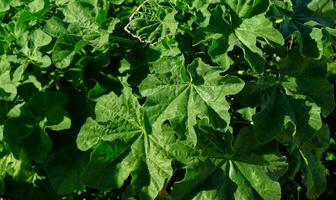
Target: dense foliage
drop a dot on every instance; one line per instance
(166, 99)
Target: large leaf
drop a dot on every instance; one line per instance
(246, 34)
(65, 170)
(181, 97)
(306, 159)
(25, 129)
(275, 114)
(285, 116)
(245, 174)
(309, 21)
(309, 77)
(124, 146)
(305, 94)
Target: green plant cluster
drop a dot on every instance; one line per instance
(165, 99)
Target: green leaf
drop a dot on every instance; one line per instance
(40, 38)
(55, 27)
(310, 41)
(285, 116)
(39, 191)
(87, 22)
(19, 168)
(65, 170)
(325, 8)
(27, 137)
(275, 112)
(310, 80)
(200, 96)
(1, 132)
(8, 90)
(4, 6)
(63, 53)
(248, 33)
(25, 130)
(36, 5)
(153, 21)
(309, 164)
(246, 9)
(79, 14)
(57, 119)
(124, 145)
(66, 72)
(258, 26)
(242, 175)
(247, 113)
(308, 24)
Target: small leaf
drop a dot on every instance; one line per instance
(55, 27)
(36, 5)
(152, 22)
(40, 38)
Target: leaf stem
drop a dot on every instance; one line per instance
(241, 122)
(122, 40)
